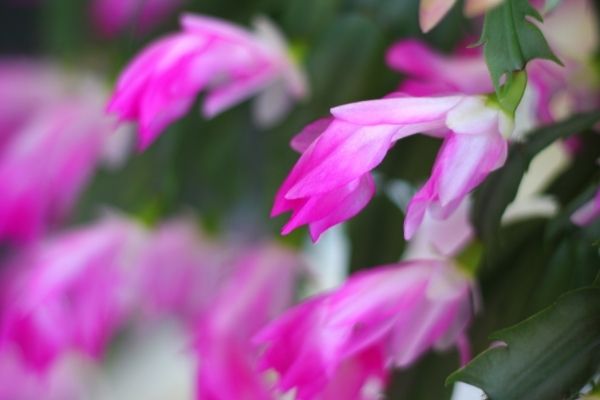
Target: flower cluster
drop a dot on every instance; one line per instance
(67, 295)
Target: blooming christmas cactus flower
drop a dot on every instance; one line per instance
(331, 181)
(112, 17)
(391, 315)
(46, 116)
(587, 213)
(227, 61)
(70, 292)
(431, 12)
(261, 287)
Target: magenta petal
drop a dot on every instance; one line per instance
(339, 156)
(309, 134)
(324, 211)
(347, 207)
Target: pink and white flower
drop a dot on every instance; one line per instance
(331, 181)
(112, 17)
(70, 292)
(53, 135)
(389, 315)
(228, 62)
(261, 287)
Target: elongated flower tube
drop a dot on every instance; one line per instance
(45, 116)
(228, 62)
(112, 17)
(260, 288)
(70, 292)
(587, 213)
(431, 12)
(395, 313)
(331, 181)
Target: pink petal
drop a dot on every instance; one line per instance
(399, 110)
(236, 91)
(340, 155)
(309, 134)
(587, 213)
(465, 161)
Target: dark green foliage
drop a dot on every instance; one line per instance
(548, 356)
(511, 40)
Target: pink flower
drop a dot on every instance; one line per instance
(588, 213)
(112, 17)
(183, 271)
(18, 382)
(70, 292)
(432, 73)
(45, 117)
(331, 181)
(432, 12)
(230, 63)
(393, 313)
(261, 288)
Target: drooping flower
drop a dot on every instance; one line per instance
(261, 287)
(431, 12)
(112, 17)
(69, 292)
(331, 181)
(47, 116)
(391, 314)
(228, 62)
(587, 213)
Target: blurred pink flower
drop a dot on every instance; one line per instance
(432, 73)
(574, 87)
(261, 287)
(53, 134)
(431, 12)
(587, 213)
(69, 292)
(19, 382)
(229, 62)
(391, 314)
(331, 181)
(183, 270)
(112, 17)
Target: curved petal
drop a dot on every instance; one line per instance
(397, 110)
